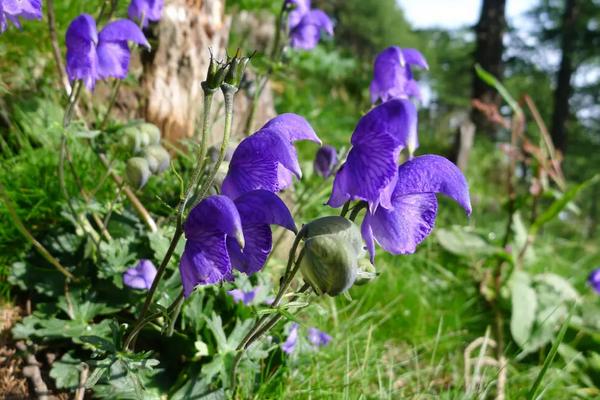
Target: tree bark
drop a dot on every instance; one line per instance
(564, 89)
(488, 53)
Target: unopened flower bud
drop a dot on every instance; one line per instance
(332, 247)
(151, 133)
(137, 172)
(158, 158)
(325, 161)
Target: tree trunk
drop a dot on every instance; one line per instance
(177, 65)
(488, 53)
(563, 91)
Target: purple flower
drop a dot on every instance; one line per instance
(392, 77)
(12, 10)
(325, 161)
(411, 218)
(92, 55)
(371, 169)
(145, 10)
(306, 25)
(594, 279)
(318, 338)
(292, 340)
(141, 276)
(241, 296)
(267, 159)
(223, 234)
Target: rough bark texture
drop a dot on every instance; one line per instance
(563, 91)
(175, 68)
(488, 53)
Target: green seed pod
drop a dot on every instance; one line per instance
(137, 172)
(366, 272)
(332, 247)
(158, 158)
(150, 132)
(131, 139)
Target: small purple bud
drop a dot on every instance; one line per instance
(239, 295)
(141, 276)
(318, 338)
(292, 340)
(325, 161)
(594, 279)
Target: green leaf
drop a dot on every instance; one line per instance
(558, 205)
(66, 371)
(524, 306)
(458, 241)
(495, 83)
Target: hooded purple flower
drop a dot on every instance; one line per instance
(92, 55)
(145, 10)
(318, 338)
(141, 276)
(371, 169)
(267, 159)
(594, 279)
(325, 161)
(392, 76)
(223, 234)
(306, 25)
(12, 10)
(401, 228)
(241, 296)
(292, 340)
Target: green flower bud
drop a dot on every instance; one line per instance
(137, 172)
(158, 158)
(151, 133)
(215, 75)
(366, 272)
(237, 66)
(332, 247)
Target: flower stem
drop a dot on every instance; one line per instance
(229, 94)
(37, 245)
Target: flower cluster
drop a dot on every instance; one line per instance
(316, 338)
(401, 199)
(306, 25)
(12, 10)
(232, 230)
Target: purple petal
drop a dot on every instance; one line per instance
(594, 279)
(149, 10)
(394, 118)
(292, 340)
(113, 59)
(263, 207)
(369, 168)
(141, 276)
(305, 37)
(392, 76)
(325, 161)
(123, 30)
(80, 39)
(414, 57)
(204, 262)
(433, 174)
(28, 9)
(301, 7)
(215, 214)
(239, 296)
(255, 163)
(319, 19)
(317, 337)
(400, 230)
(257, 246)
(293, 126)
